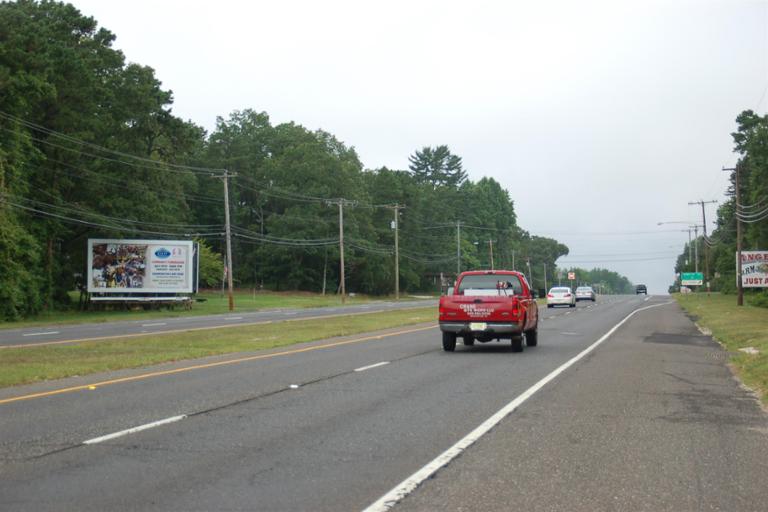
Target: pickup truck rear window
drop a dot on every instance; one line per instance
(489, 282)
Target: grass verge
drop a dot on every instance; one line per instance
(736, 328)
(34, 364)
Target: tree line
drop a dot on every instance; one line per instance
(90, 148)
(751, 144)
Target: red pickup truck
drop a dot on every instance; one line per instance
(490, 305)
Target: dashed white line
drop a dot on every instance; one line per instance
(154, 325)
(290, 313)
(233, 318)
(363, 368)
(408, 485)
(133, 430)
(41, 333)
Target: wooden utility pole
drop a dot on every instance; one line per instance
(739, 284)
(396, 226)
(227, 228)
(342, 285)
(341, 251)
(490, 245)
(706, 238)
(458, 248)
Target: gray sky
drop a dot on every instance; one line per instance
(601, 118)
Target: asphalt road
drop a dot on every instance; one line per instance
(53, 334)
(649, 420)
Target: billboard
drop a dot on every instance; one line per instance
(754, 269)
(141, 266)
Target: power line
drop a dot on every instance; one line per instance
(68, 138)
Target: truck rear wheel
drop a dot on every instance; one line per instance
(532, 337)
(517, 343)
(469, 340)
(449, 341)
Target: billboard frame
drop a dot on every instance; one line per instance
(189, 268)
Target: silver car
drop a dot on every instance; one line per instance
(561, 296)
(585, 293)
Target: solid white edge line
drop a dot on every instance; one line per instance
(134, 430)
(363, 368)
(154, 325)
(40, 333)
(408, 485)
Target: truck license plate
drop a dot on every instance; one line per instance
(478, 326)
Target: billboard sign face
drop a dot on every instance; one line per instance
(691, 278)
(141, 266)
(754, 269)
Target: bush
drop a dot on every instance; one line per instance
(759, 300)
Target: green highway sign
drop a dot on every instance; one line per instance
(691, 278)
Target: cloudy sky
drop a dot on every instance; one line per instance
(601, 118)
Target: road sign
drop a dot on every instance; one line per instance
(692, 278)
(571, 276)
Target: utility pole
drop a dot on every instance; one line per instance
(458, 248)
(739, 284)
(396, 227)
(341, 202)
(341, 250)
(706, 247)
(696, 248)
(545, 276)
(530, 272)
(513, 259)
(225, 178)
(490, 245)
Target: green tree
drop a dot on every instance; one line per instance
(437, 166)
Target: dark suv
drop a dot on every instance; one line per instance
(641, 289)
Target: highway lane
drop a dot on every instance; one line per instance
(49, 334)
(300, 431)
(650, 421)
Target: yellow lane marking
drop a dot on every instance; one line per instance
(192, 329)
(209, 365)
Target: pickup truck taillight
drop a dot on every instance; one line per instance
(515, 308)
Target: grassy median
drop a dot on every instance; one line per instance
(208, 302)
(736, 328)
(34, 364)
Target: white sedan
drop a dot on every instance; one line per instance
(585, 293)
(561, 296)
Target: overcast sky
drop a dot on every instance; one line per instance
(601, 118)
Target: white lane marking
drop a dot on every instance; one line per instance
(134, 429)
(294, 386)
(363, 368)
(570, 333)
(568, 313)
(233, 318)
(290, 313)
(154, 325)
(41, 333)
(408, 485)
(365, 307)
(647, 299)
